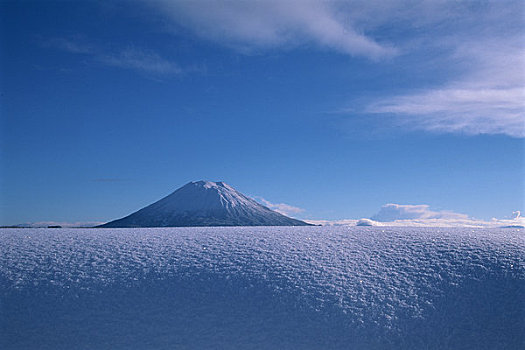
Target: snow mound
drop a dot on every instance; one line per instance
(262, 288)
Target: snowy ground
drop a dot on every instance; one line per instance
(262, 288)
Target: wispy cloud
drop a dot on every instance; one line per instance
(270, 23)
(488, 99)
(131, 58)
(476, 49)
(282, 208)
(70, 45)
(472, 51)
(422, 216)
(481, 42)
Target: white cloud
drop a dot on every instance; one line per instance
(477, 51)
(476, 48)
(489, 99)
(392, 212)
(403, 215)
(282, 208)
(272, 23)
(367, 222)
(70, 45)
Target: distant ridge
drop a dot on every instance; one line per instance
(205, 203)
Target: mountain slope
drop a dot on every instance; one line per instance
(205, 203)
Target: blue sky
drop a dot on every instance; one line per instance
(329, 109)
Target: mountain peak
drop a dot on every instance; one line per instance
(205, 203)
(209, 184)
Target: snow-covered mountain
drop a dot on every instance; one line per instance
(205, 203)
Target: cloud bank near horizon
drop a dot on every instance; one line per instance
(392, 212)
(404, 215)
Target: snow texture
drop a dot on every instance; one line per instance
(205, 203)
(262, 288)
